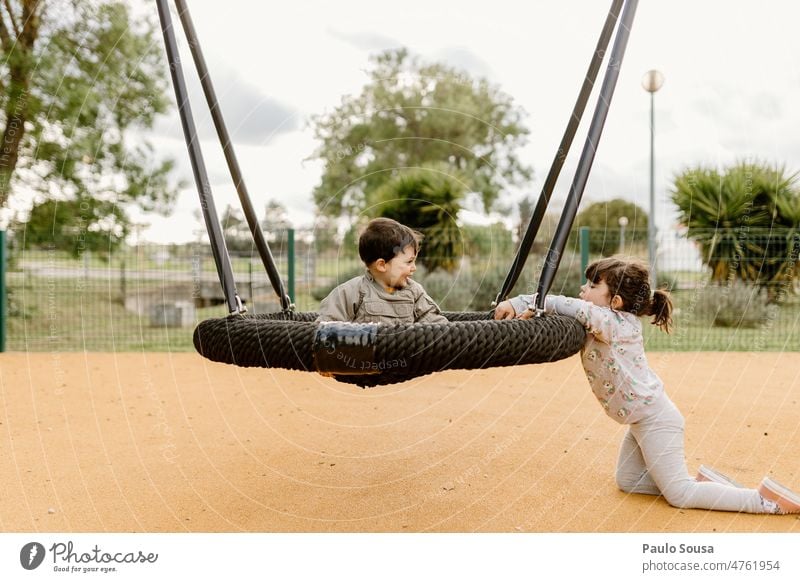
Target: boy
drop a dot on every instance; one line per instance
(385, 293)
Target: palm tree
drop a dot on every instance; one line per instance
(427, 199)
(746, 220)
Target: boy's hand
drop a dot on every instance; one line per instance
(504, 311)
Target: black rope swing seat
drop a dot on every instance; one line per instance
(370, 354)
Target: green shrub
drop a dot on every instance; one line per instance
(746, 219)
(451, 291)
(737, 305)
(321, 291)
(476, 290)
(667, 280)
(16, 307)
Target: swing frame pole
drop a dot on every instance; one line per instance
(561, 154)
(559, 242)
(230, 156)
(222, 259)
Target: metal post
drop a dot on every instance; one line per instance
(290, 261)
(251, 295)
(86, 261)
(651, 222)
(583, 235)
(3, 295)
(122, 281)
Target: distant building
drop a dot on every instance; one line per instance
(677, 252)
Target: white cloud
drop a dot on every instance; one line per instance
(365, 41)
(730, 67)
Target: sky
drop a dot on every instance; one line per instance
(731, 69)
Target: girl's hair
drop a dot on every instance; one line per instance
(630, 279)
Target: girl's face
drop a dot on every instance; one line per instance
(597, 293)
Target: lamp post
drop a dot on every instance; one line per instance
(623, 222)
(652, 82)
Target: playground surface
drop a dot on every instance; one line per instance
(160, 442)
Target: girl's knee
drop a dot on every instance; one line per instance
(680, 502)
(625, 483)
(679, 494)
(636, 483)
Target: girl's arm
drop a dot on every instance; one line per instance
(599, 321)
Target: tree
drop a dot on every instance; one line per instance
(428, 200)
(276, 220)
(411, 115)
(746, 220)
(235, 230)
(494, 242)
(85, 224)
(76, 78)
(603, 220)
(325, 235)
(526, 207)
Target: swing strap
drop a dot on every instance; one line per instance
(221, 258)
(561, 154)
(230, 156)
(559, 242)
(219, 249)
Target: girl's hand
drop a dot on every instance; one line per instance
(504, 311)
(527, 314)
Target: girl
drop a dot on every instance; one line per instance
(651, 458)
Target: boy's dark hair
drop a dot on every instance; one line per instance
(385, 238)
(630, 279)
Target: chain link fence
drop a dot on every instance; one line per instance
(149, 297)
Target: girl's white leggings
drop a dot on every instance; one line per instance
(652, 462)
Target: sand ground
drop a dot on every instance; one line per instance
(160, 442)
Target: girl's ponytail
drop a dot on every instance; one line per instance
(661, 309)
(630, 280)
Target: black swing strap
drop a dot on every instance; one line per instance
(559, 242)
(219, 250)
(561, 154)
(230, 156)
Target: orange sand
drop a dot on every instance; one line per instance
(172, 443)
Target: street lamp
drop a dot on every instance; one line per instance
(652, 82)
(623, 222)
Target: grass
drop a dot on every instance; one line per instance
(49, 311)
(60, 314)
(779, 330)
(64, 315)
(784, 335)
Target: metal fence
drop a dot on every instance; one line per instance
(150, 297)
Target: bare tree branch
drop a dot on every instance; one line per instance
(14, 24)
(19, 78)
(30, 23)
(5, 37)
(30, 17)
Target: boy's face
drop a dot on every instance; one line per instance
(395, 274)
